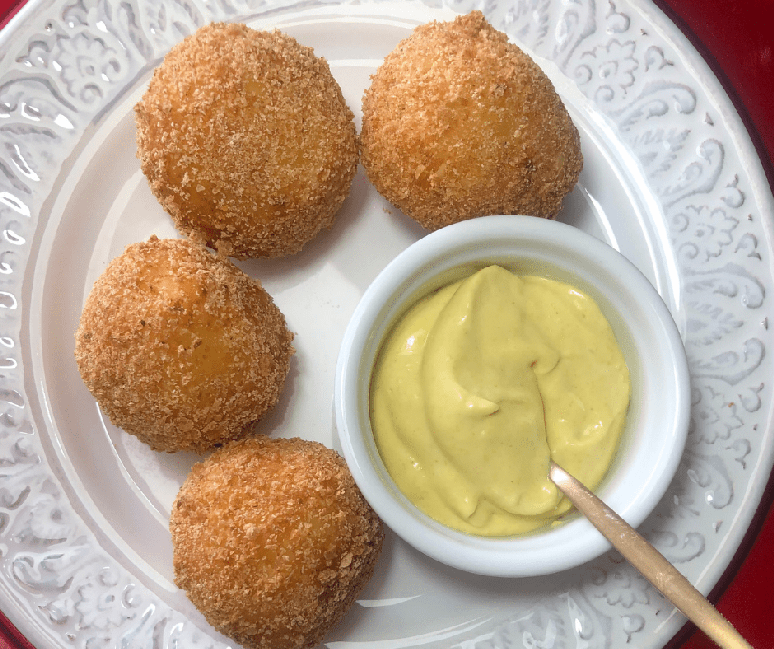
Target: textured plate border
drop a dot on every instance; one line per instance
(65, 63)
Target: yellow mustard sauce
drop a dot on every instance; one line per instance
(481, 383)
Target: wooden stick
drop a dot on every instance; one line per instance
(649, 561)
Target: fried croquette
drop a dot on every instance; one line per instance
(181, 348)
(273, 541)
(459, 123)
(246, 140)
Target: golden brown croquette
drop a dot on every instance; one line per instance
(246, 140)
(179, 347)
(273, 541)
(459, 123)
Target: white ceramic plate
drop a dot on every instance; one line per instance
(671, 179)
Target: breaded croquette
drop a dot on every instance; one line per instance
(459, 123)
(246, 140)
(181, 348)
(273, 541)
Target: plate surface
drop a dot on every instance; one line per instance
(670, 179)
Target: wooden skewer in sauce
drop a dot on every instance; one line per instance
(483, 382)
(487, 349)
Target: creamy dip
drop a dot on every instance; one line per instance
(480, 384)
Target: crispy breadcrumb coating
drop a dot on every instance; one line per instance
(273, 541)
(246, 140)
(459, 123)
(181, 348)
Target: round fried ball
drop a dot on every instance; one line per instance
(181, 348)
(273, 541)
(459, 123)
(246, 140)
